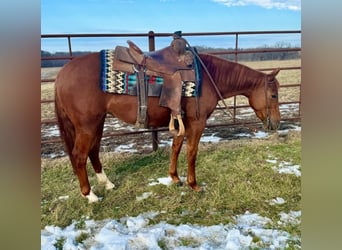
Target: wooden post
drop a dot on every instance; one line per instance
(154, 140)
(151, 47)
(151, 41)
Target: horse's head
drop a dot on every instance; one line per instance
(264, 101)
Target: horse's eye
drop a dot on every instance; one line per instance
(274, 96)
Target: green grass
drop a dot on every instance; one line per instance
(235, 177)
(59, 243)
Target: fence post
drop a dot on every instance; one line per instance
(151, 47)
(69, 45)
(151, 41)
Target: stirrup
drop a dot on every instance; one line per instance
(172, 129)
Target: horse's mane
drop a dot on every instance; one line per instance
(234, 75)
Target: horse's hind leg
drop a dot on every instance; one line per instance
(100, 173)
(95, 160)
(176, 148)
(79, 158)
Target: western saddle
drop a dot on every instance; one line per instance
(175, 63)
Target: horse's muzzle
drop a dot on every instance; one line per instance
(270, 124)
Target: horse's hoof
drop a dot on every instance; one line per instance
(196, 188)
(103, 179)
(109, 185)
(179, 184)
(176, 180)
(92, 198)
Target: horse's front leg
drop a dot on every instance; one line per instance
(193, 137)
(176, 148)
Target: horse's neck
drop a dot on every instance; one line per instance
(238, 80)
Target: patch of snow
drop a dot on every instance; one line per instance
(153, 183)
(126, 148)
(285, 167)
(296, 128)
(255, 220)
(54, 155)
(260, 134)
(243, 135)
(52, 131)
(289, 108)
(144, 196)
(136, 233)
(293, 218)
(277, 201)
(283, 132)
(247, 110)
(63, 197)
(167, 181)
(210, 138)
(288, 169)
(166, 142)
(284, 163)
(134, 224)
(211, 118)
(235, 240)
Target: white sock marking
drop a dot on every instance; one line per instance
(92, 197)
(103, 179)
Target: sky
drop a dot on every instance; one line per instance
(141, 16)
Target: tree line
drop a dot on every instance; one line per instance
(262, 56)
(60, 62)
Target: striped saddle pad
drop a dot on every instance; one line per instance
(118, 82)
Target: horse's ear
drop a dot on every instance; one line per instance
(275, 72)
(272, 75)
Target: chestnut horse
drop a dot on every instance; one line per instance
(81, 108)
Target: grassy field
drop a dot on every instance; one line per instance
(235, 175)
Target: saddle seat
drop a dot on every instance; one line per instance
(174, 63)
(164, 61)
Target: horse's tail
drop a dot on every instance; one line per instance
(66, 128)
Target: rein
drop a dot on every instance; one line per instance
(267, 102)
(218, 91)
(210, 77)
